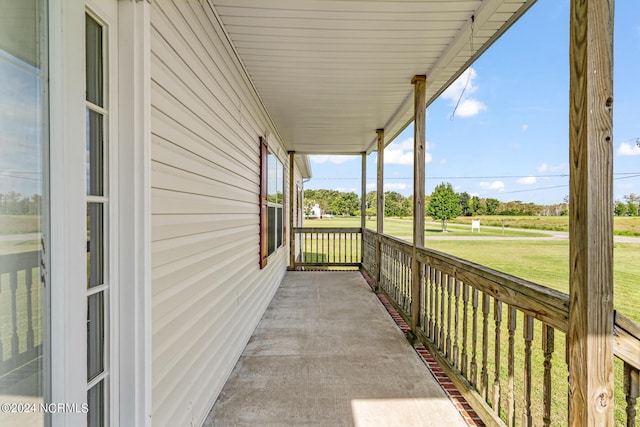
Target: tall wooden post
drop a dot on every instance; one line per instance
(379, 204)
(419, 105)
(590, 334)
(363, 203)
(292, 243)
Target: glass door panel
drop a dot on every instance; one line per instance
(24, 212)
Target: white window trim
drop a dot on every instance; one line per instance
(132, 329)
(67, 209)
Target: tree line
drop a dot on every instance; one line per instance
(13, 203)
(396, 205)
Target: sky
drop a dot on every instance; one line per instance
(513, 115)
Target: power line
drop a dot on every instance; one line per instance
(566, 185)
(562, 175)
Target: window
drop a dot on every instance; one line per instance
(97, 221)
(272, 204)
(24, 212)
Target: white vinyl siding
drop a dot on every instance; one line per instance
(208, 293)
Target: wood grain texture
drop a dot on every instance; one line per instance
(292, 243)
(379, 199)
(419, 108)
(590, 334)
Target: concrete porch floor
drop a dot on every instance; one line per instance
(326, 353)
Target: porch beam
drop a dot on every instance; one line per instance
(590, 333)
(380, 202)
(419, 105)
(292, 244)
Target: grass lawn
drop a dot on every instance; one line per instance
(622, 225)
(19, 224)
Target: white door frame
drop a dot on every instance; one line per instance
(131, 323)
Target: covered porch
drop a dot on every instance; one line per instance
(507, 343)
(326, 352)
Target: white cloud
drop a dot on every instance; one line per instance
(527, 180)
(330, 159)
(545, 167)
(525, 127)
(371, 186)
(443, 161)
(463, 87)
(470, 107)
(401, 153)
(393, 186)
(628, 150)
(453, 92)
(495, 185)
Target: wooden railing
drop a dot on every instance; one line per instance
(328, 247)
(19, 310)
(501, 339)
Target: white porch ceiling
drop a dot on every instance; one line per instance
(331, 72)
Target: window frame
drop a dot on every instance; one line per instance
(273, 232)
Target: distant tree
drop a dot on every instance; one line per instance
(632, 209)
(351, 204)
(477, 206)
(492, 206)
(620, 209)
(444, 204)
(464, 198)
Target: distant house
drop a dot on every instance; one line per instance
(316, 212)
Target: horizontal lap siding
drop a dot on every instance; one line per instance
(208, 292)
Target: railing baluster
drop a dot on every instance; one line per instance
(449, 297)
(456, 356)
(465, 328)
(443, 290)
(547, 349)
(423, 295)
(631, 389)
(436, 318)
(30, 333)
(484, 373)
(497, 317)
(511, 397)
(13, 281)
(474, 338)
(528, 338)
(407, 283)
(432, 303)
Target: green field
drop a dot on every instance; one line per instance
(545, 262)
(622, 225)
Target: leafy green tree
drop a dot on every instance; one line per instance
(444, 204)
(393, 203)
(492, 206)
(632, 209)
(477, 206)
(464, 203)
(620, 209)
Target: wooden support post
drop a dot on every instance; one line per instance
(419, 105)
(590, 333)
(363, 203)
(292, 243)
(380, 203)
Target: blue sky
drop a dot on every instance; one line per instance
(514, 117)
